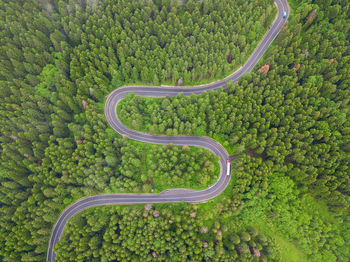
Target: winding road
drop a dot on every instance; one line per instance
(171, 195)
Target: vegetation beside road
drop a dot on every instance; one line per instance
(60, 60)
(294, 117)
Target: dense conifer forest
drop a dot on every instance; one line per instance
(288, 126)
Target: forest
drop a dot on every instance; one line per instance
(289, 127)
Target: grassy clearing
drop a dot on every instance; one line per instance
(318, 207)
(288, 251)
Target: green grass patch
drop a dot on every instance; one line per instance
(288, 251)
(319, 207)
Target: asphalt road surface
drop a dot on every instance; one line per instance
(171, 195)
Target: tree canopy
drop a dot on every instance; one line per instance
(289, 128)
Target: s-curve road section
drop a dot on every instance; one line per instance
(171, 195)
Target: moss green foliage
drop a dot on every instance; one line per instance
(295, 119)
(157, 41)
(153, 168)
(140, 233)
(278, 208)
(179, 167)
(289, 126)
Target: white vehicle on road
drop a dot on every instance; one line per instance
(228, 167)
